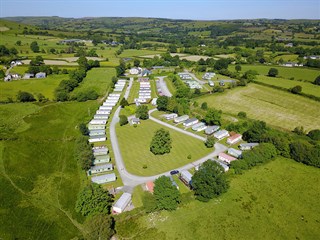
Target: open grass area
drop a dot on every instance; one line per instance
(307, 87)
(136, 53)
(98, 79)
(44, 86)
(275, 107)
(40, 178)
(279, 200)
(298, 73)
(134, 144)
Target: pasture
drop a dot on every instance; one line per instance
(275, 107)
(44, 86)
(134, 145)
(136, 53)
(279, 200)
(40, 178)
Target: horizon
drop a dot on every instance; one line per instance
(202, 10)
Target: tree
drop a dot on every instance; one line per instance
(34, 47)
(93, 199)
(297, 89)
(83, 62)
(100, 226)
(299, 130)
(317, 80)
(142, 112)
(213, 117)
(2, 73)
(161, 142)
(124, 103)
(273, 72)
(314, 134)
(238, 68)
(256, 132)
(149, 202)
(209, 181)
(123, 120)
(83, 129)
(121, 69)
(18, 43)
(167, 196)
(83, 153)
(136, 62)
(37, 61)
(209, 143)
(197, 91)
(13, 51)
(162, 103)
(25, 97)
(41, 98)
(204, 106)
(242, 114)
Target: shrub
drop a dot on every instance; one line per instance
(123, 120)
(25, 97)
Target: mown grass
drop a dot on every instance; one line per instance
(297, 73)
(44, 86)
(275, 107)
(40, 178)
(279, 200)
(97, 79)
(134, 145)
(307, 87)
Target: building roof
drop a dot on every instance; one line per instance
(234, 137)
(98, 136)
(225, 166)
(102, 166)
(101, 157)
(186, 175)
(103, 177)
(191, 120)
(150, 186)
(123, 201)
(234, 152)
(249, 144)
(211, 129)
(221, 133)
(226, 156)
(135, 120)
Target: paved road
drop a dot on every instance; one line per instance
(164, 88)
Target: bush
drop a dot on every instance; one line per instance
(297, 89)
(83, 129)
(273, 72)
(242, 114)
(25, 97)
(209, 143)
(204, 106)
(317, 80)
(314, 134)
(123, 120)
(142, 112)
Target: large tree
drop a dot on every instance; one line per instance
(142, 112)
(314, 134)
(273, 72)
(25, 97)
(162, 103)
(213, 116)
(100, 226)
(161, 142)
(93, 199)
(34, 47)
(167, 196)
(124, 103)
(209, 181)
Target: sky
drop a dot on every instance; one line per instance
(175, 9)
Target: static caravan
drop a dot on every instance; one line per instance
(114, 95)
(248, 146)
(105, 112)
(97, 138)
(226, 158)
(122, 203)
(181, 119)
(111, 177)
(199, 126)
(101, 116)
(97, 132)
(140, 100)
(96, 126)
(171, 116)
(234, 152)
(109, 104)
(113, 98)
(101, 159)
(105, 108)
(100, 169)
(118, 89)
(211, 129)
(234, 139)
(190, 122)
(186, 177)
(102, 151)
(221, 134)
(98, 121)
(111, 101)
(225, 166)
(145, 91)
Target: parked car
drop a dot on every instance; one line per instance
(173, 172)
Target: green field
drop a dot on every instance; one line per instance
(39, 176)
(45, 86)
(98, 79)
(275, 107)
(279, 200)
(134, 144)
(136, 53)
(307, 87)
(297, 73)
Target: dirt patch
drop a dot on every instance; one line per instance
(3, 29)
(74, 59)
(54, 62)
(195, 58)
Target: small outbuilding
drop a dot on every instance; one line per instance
(135, 121)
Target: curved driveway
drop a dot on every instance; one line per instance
(131, 180)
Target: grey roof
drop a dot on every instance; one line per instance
(225, 166)
(123, 201)
(221, 132)
(234, 152)
(211, 129)
(186, 175)
(249, 144)
(102, 166)
(101, 157)
(190, 120)
(97, 136)
(103, 177)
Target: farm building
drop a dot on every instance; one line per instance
(100, 169)
(103, 112)
(225, 166)
(226, 158)
(235, 153)
(199, 126)
(122, 203)
(135, 121)
(247, 146)
(104, 178)
(234, 138)
(98, 122)
(221, 134)
(190, 122)
(171, 116)
(101, 159)
(150, 186)
(186, 177)
(97, 132)
(211, 129)
(101, 116)
(181, 119)
(96, 126)
(97, 138)
(41, 75)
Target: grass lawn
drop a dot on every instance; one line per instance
(297, 73)
(172, 89)
(45, 86)
(307, 87)
(134, 144)
(98, 79)
(40, 178)
(134, 91)
(275, 107)
(279, 200)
